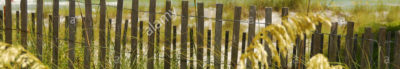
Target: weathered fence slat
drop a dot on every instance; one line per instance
(226, 49)
(124, 36)
(302, 53)
(333, 47)
(17, 23)
(39, 37)
(268, 21)
(88, 36)
(218, 37)
(117, 48)
(285, 13)
(167, 35)
(8, 21)
(191, 59)
(174, 38)
(236, 37)
(102, 34)
(396, 60)
(24, 22)
(382, 46)
(134, 28)
(209, 49)
(244, 43)
(252, 29)
(349, 44)
(1, 25)
(55, 32)
(72, 31)
(184, 24)
(199, 34)
(151, 47)
(366, 58)
(316, 41)
(387, 50)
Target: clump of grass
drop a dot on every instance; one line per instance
(285, 34)
(15, 56)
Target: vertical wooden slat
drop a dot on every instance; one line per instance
(88, 35)
(17, 23)
(8, 21)
(102, 34)
(236, 37)
(333, 47)
(33, 26)
(199, 35)
(285, 13)
(388, 47)
(349, 44)
(117, 55)
(208, 49)
(157, 46)
(191, 63)
(124, 35)
(316, 41)
(226, 50)
(55, 32)
(39, 37)
(167, 35)
(218, 37)
(72, 31)
(134, 28)
(396, 60)
(141, 37)
(1, 25)
(296, 52)
(184, 24)
(252, 29)
(24, 22)
(244, 43)
(108, 45)
(382, 47)
(302, 53)
(366, 58)
(268, 21)
(174, 38)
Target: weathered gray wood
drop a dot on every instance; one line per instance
(124, 36)
(152, 17)
(396, 51)
(102, 34)
(268, 21)
(252, 29)
(208, 49)
(382, 46)
(55, 32)
(349, 45)
(236, 37)
(191, 63)
(218, 37)
(134, 28)
(8, 22)
(108, 45)
(226, 49)
(184, 24)
(387, 50)
(167, 34)
(33, 26)
(296, 52)
(302, 53)
(200, 35)
(24, 22)
(285, 13)
(174, 38)
(316, 41)
(88, 31)
(365, 57)
(72, 31)
(17, 23)
(333, 47)
(39, 26)
(117, 48)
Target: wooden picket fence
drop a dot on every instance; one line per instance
(358, 51)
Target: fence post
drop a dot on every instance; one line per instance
(191, 59)
(244, 42)
(124, 38)
(72, 31)
(285, 16)
(226, 49)
(184, 24)
(388, 50)
(17, 23)
(174, 38)
(88, 31)
(218, 36)
(236, 37)
(167, 34)
(1, 25)
(396, 61)
(209, 49)
(366, 58)
(117, 55)
(382, 45)
(200, 36)
(8, 21)
(301, 52)
(24, 22)
(108, 43)
(141, 38)
(134, 28)
(102, 34)
(349, 45)
(55, 32)
(268, 21)
(316, 41)
(39, 26)
(252, 25)
(333, 47)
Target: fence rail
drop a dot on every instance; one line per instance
(205, 46)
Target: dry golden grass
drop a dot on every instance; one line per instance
(16, 57)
